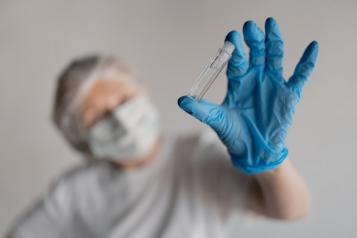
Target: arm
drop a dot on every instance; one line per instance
(280, 193)
(254, 118)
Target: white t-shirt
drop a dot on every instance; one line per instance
(189, 190)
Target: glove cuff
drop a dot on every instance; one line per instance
(258, 165)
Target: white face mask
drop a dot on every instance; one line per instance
(128, 132)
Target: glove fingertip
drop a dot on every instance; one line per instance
(271, 24)
(316, 47)
(185, 103)
(180, 99)
(270, 21)
(311, 52)
(248, 24)
(315, 44)
(232, 36)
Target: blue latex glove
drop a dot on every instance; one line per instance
(258, 109)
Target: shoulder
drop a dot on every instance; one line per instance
(80, 179)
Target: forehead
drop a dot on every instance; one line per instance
(106, 86)
(118, 83)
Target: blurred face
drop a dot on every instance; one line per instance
(104, 96)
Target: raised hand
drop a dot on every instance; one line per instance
(258, 109)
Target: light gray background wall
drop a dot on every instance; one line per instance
(169, 42)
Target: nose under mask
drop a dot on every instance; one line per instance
(129, 132)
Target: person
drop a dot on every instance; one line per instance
(138, 182)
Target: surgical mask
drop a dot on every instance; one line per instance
(129, 132)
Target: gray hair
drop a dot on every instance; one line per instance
(70, 84)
